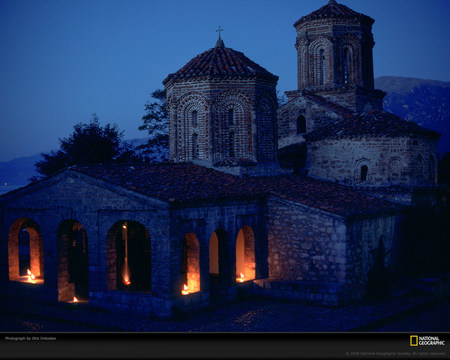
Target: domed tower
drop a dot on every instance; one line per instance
(334, 72)
(334, 46)
(222, 113)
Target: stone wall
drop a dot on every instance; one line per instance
(305, 244)
(389, 160)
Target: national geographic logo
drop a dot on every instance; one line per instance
(415, 340)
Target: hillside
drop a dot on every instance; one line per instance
(426, 102)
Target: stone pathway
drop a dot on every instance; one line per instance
(255, 315)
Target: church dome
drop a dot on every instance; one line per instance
(333, 10)
(221, 61)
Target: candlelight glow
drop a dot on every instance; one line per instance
(241, 278)
(31, 277)
(75, 299)
(185, 290)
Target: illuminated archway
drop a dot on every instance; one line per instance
(25, 252)
(73, 262)
(128, 257)
(245, 255)
(191, 264)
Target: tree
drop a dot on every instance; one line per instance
(156, 122)
(88, 144)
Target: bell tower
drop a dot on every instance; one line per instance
(334, 51)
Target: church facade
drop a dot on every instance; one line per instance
(223, 217)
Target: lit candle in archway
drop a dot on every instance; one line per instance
(185, 290)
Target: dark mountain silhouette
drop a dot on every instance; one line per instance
(426, 102)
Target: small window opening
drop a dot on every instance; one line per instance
(322, 66)
(301, 125)
(230, 117)
(345, 66)
(364, 171)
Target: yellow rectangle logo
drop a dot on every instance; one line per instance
(414, 340)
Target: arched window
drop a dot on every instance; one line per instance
(322, 67)
(195, 146)
(230, 117)
(231, 150)
(194, 118)
(301, 125)
(364, 171)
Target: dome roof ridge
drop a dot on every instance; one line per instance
(334, 10)
(221, 61)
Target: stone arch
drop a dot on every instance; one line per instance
(73, 261)
(25, 232)
(395, 168)
(245, 254)
(266, 132)
(241, 127)
(191, 118)
(320, 53)
(128, 257)
(362, 170)
(190, 271)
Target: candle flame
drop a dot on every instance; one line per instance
(241, 277)
(31, 276)
(185, 290)
(75, 299)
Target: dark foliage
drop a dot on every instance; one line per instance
(88, 144)
(156, 123)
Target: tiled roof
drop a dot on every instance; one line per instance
(334, 10)
(373, 123)
(328, 104)
(185, 182)
(221, 61)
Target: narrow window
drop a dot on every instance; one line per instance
(345, 66)
(194, 118)
(301, 125)
(195, 146)
(230, 117)
(322, 67)
(231, 153)
(364, 170)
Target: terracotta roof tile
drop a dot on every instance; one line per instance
(373, 123)
(189, 183)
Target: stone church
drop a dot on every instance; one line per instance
(223, 217)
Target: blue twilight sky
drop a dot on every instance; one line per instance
(63, 60)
